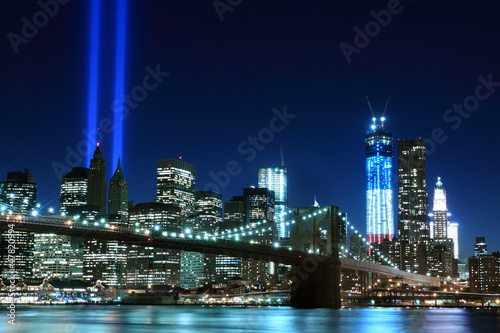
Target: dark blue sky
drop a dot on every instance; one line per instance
(227, 76)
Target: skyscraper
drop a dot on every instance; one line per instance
(118, 194)
(18, 195)
(379, 210)
(96, 196)
(175, 184)
(413, 206)
(440, 212)
(74, 188)
(147, 265)
(208, 211)
(413, 199)
(442, 259)
(274, 178)
(198, 268)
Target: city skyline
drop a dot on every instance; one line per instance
(200, 93)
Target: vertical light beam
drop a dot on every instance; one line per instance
(95, 13)
(121, 31)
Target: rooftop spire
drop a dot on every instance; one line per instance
(282, 159)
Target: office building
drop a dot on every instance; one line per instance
(147, 266)
(379, 195)
(74, 189)
(413, 205)
(97, 188)
(274, 178)
(18, 196)
(118, 195)
(175, 184)
(51, 256)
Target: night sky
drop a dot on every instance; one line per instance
(226, 77)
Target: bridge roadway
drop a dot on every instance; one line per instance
(64, 226)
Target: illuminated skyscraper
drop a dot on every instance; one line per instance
(440, 212)
(413, 199)
(274, 178)
(443, 248)
(18, 195)
(118, 194)
(74, 187)
(413, 206)
(198, 268)
(51, 256)
(175, 183)
(96, 195)
(379, 210)
(148, 265)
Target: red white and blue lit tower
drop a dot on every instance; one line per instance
(379, 195)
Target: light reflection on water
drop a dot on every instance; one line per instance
(132, 318)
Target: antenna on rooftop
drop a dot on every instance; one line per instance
(370, 106)
(282, 159)
(386, 103)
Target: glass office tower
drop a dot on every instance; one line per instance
(275, 179)
(379, 206)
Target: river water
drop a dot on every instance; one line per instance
(141, 319)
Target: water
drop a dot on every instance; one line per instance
(133, 318)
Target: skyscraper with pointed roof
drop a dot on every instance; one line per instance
(118, 194)
(96, 195)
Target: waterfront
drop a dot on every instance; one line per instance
(132, 318)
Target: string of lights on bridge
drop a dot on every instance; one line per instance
(230, 233)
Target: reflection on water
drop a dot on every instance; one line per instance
(132, 318)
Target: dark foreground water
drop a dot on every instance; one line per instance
(132, 318)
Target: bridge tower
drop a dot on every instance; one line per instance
(315, 282)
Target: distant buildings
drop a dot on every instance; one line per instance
(379, 196)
